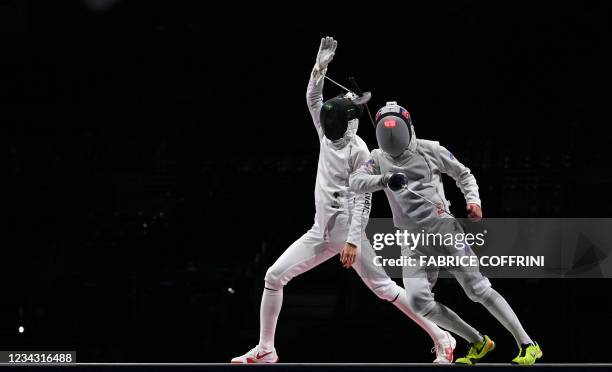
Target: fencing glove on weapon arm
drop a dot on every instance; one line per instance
(394, 181)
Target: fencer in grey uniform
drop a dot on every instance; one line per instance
(404, 159)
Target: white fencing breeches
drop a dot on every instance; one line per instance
(312, 249)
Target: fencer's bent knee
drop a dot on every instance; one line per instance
(420, 304)
(478, 290)
(388, 291)
(272, 279)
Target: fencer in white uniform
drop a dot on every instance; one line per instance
(340, 220)
(414, 167)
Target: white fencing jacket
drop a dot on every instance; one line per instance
(423, 163)
(337, 160)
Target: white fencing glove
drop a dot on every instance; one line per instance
(327, 50)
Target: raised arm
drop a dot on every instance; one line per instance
(314, 91)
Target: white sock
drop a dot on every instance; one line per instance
(436, 334)
(502, 311)
(271, 303)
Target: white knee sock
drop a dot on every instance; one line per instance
(271, 303)
(436, 334)
(502, 311)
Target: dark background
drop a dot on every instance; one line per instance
(158, 153)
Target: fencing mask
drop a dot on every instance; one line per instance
(393, 124)
(336, 114)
